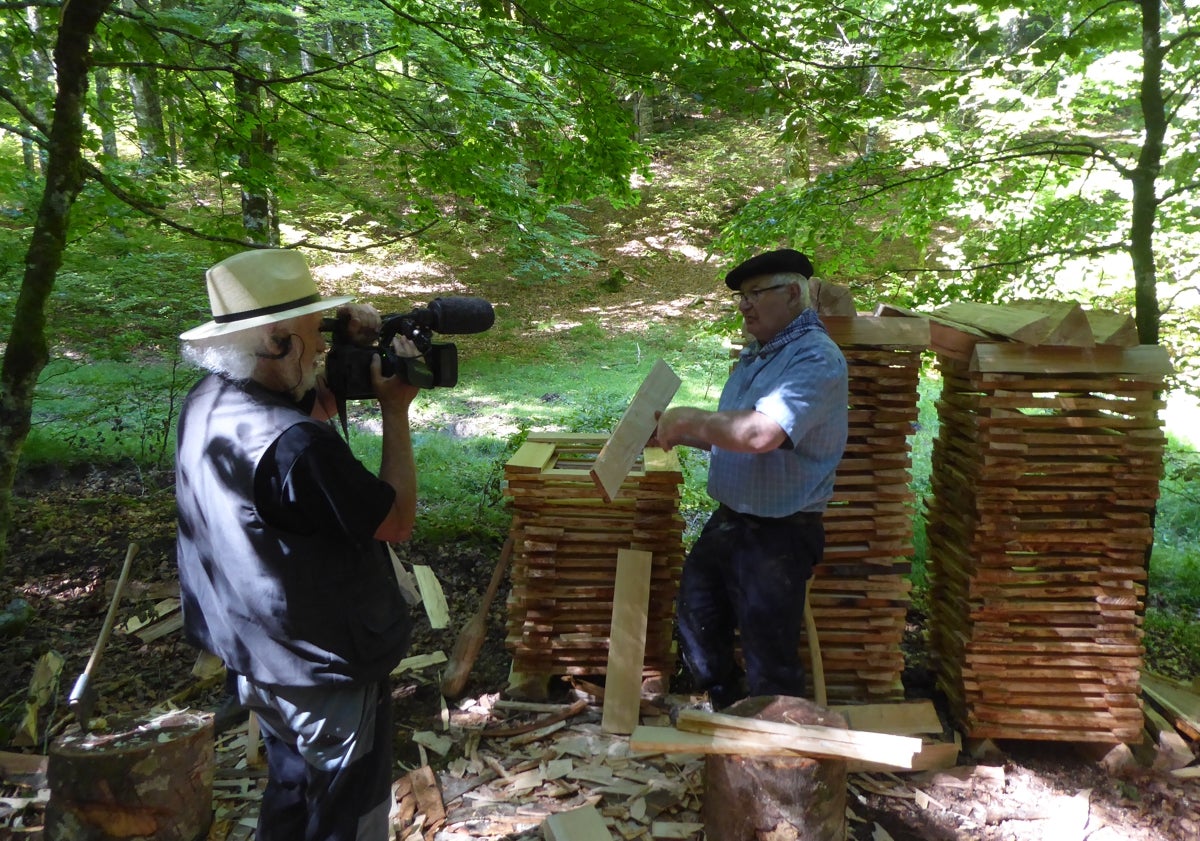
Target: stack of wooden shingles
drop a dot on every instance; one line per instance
(859, 594)
(565, 543)
(1044, 478)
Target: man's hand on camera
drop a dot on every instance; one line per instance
(394, 389)
(363, 323)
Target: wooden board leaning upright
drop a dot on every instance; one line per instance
(633, 429)
(627, 642)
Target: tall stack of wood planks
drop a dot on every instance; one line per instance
(565, 543)
(1044, 478)
(859, 594)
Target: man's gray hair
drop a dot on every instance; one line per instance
(781, 278)
(234, 355)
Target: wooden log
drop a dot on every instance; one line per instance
(797, 798)
(138, 779)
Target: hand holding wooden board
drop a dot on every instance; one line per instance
(633, 430)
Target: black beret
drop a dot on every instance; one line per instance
(772, 262)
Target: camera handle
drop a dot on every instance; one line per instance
(415, 371)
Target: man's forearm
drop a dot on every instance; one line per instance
(735, 431)
(398, 468)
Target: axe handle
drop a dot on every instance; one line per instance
(470, 638)
(81, 698)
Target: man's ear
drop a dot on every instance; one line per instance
(795, 297)
(278, 347)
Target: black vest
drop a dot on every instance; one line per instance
(281, 608)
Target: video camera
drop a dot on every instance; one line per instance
(348, 365)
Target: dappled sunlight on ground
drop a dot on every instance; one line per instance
(673, 244)
(400, 278)
(634, 316)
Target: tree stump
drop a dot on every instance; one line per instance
(138, 779)
(776, 798)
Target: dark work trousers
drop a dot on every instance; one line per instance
(329, 758)
(748, 574)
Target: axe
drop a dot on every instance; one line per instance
(82, 699)
(470, 638)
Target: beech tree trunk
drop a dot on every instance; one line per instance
(106, 108)
(1145, 175)
(257, 158)
(27, 352)
(147, 108)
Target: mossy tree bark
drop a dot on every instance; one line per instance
(26, 352)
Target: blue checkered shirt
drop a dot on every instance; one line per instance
(799, 380)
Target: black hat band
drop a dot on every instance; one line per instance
(274, 308)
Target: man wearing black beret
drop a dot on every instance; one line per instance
(776, 439)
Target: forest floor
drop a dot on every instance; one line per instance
(72, 533)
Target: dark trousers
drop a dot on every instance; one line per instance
(747, 574)
(320, 788)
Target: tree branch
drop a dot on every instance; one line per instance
(141, 207)
(11, 98)
(20, 132)
(1035, 151)
(1064, 253)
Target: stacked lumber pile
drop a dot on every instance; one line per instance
(859, 594)
(1045, 475)
(566, 540)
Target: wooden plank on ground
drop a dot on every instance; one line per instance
(432, 596)
(429, 796)
(582, 824)
(1173, 751)
(654, 739)
(633, 430)
(627, 643)
(668, 740)
(808, 738)
(168, 623)
(1180, 705)
(23, 767)
(407, 581)
(207, 665)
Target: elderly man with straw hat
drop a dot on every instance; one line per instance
(282, 565)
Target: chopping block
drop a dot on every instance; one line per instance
(137, 778)
(784, 798)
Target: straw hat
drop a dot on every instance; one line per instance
(260, 287)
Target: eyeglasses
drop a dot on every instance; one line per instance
(752, 297)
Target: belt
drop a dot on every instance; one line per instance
(799, 518)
